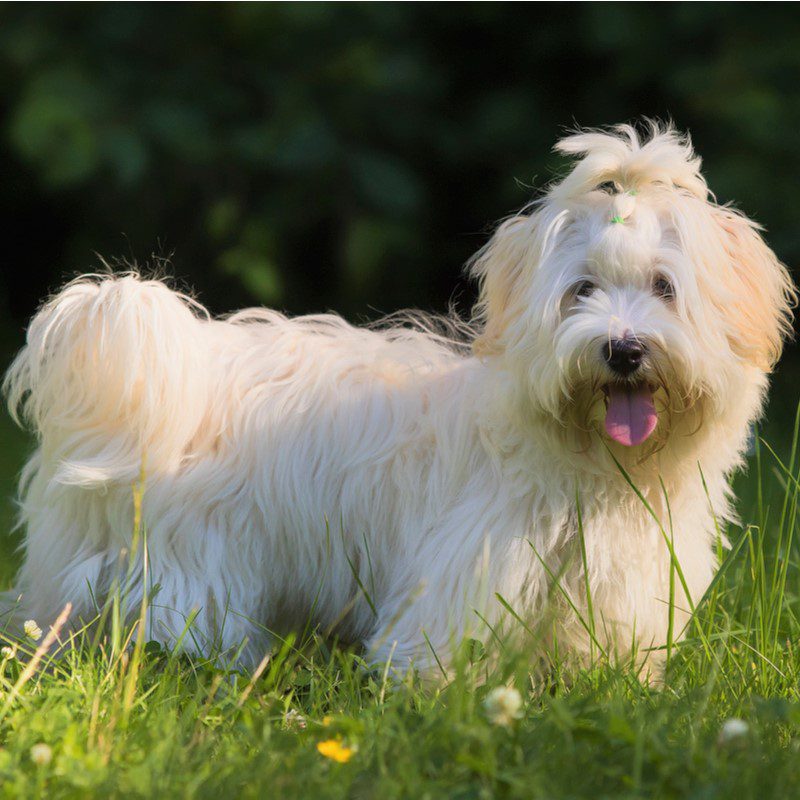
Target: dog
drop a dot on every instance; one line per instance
(399, 487)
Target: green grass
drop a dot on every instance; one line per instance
(139, 721)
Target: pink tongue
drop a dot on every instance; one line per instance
(631, 416)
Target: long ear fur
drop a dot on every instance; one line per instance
(504, 269)
(763, 290)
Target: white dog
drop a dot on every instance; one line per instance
(388, 485)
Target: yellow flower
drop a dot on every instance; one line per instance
(335, 750)
(8, 652)
(32, 630)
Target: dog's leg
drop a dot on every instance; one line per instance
(422, 630)
(406, 647)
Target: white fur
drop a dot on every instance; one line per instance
(294, 465)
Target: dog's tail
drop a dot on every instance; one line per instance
(114, 372)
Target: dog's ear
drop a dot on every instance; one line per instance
(762, 290)
(500, 269)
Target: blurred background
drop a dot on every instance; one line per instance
(352, 156)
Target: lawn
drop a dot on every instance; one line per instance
(109, 719)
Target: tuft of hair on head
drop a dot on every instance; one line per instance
(650, 153)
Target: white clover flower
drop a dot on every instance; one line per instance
(294, 719)
(8, 652)
(503, 705)
(732, 729)
(32, 630)
(41, 754)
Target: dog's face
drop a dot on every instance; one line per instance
(627, 301)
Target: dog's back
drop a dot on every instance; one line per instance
(262, 442)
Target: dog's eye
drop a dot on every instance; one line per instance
(584, 288)
(609, 187)
(662, 286)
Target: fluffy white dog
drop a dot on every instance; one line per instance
(388, 484)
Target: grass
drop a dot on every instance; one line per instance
(119, 720)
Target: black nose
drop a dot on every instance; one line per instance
(624, 356)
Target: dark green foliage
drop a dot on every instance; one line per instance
(353, 156)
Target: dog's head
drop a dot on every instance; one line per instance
(627, 300)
